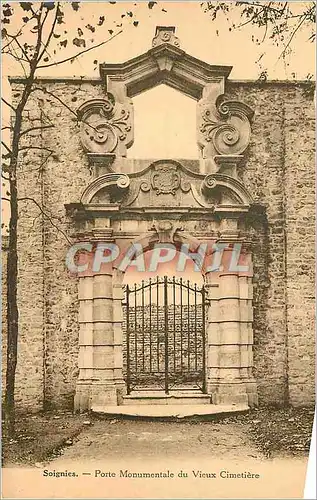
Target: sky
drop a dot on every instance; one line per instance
(209, 40)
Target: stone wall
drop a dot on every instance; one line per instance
(48, 302)
(279, 174)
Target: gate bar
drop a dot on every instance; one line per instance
(150, 321)
(174, 311)
(135, 330)
(195, 321)
(203, 293)
(132, 320)
(128, 340)
(181, 322)
(188, 325)
(143, 332)
(157, 325)
(166, 332)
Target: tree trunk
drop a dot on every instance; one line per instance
(12, 272)
(12, 267)
(12, 312)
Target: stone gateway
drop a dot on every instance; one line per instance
(252, 185)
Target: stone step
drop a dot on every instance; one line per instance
(160, 398)
(169, 411)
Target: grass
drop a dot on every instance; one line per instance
(40, 437)
(280, 431)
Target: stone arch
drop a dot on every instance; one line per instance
(148, 240)
(230, 185)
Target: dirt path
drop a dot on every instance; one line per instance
(189, 459)
(203, 456)
(115, 439)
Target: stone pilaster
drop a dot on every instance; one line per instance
(230, 339)
(100, 379)
(246, 337)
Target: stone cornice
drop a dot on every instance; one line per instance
(163, 64)
(95, 80)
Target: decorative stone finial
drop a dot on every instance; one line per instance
(165, 34)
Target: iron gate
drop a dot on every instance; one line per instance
(164, 342)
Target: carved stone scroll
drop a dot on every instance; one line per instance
(233, 188)
(106, 126)
(223, 129)
(119, 181)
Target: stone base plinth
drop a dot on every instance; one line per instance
(252, 392)
(95, 393)
(82, 399)
(226, 393)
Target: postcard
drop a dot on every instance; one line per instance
(158, 249)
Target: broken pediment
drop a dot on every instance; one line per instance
(166, 184)
(165, 63)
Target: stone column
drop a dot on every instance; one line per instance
(246, 338)
(100, 381)
(230, 338)
(212, 335)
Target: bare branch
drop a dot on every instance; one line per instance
(40, 168)
(46, 44)
(19, 58)
(80, 53)
(15, 56)
(15, 38)
(36, 147)
(49, 217)
(7, 147)
(8, 104)
(301, 21)
(19, 33)
(45, 91)
(38, 15)
(260, 4)
(43, 127)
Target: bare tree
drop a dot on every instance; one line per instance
(278, 21)
(35, 44)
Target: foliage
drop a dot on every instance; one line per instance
(279, 22)
(25, 23)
